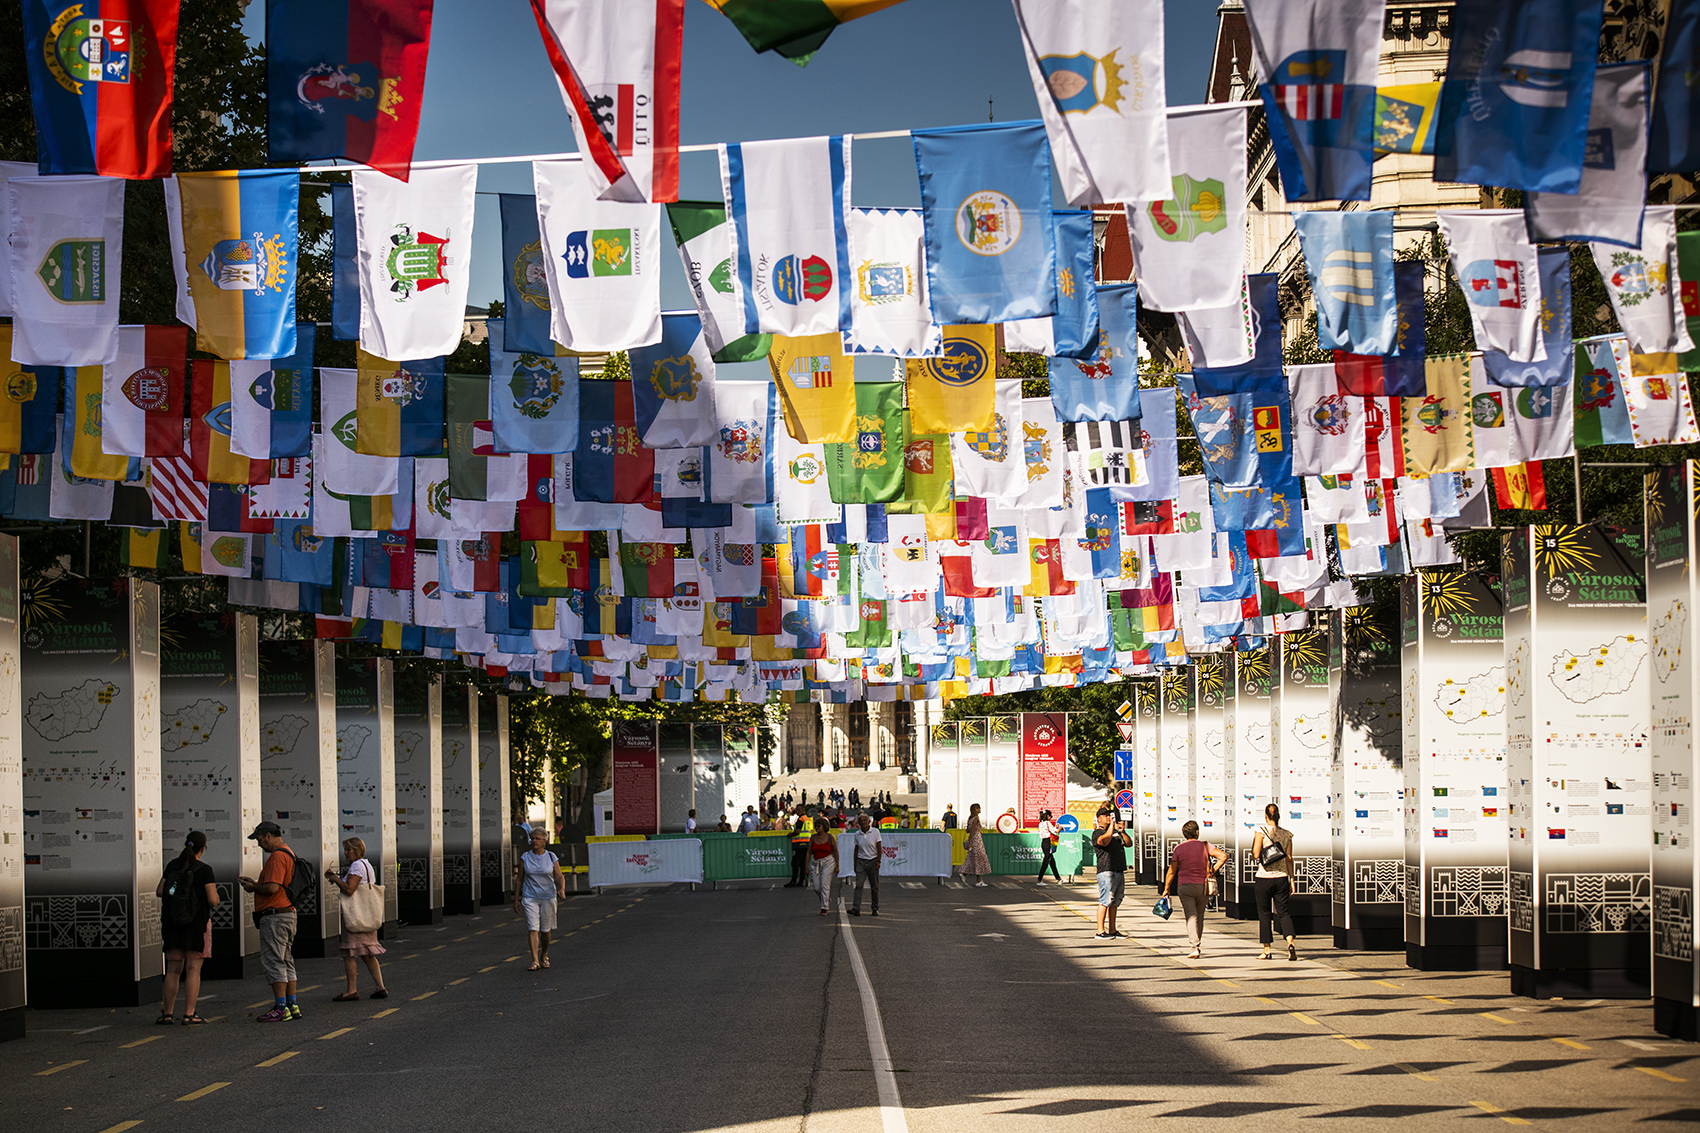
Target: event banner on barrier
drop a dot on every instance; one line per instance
(1147, 741)
(419, 802)
(1175, 757)
(1368, 780)
(1210, 748)
(1250, 770)
(460, 799)
(644, 863)
(1305, 767)
(1453, 710)
(365, 766)
(637, 779)
(903, 853)
(1578, 759)
(1044, 765)
(298, 771)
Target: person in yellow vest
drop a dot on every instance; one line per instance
(799, 851)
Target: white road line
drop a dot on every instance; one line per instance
(891, 1105)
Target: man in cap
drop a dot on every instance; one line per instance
(274, 916)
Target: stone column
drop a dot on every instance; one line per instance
(297, 714)
(495, 811)
(365, 772)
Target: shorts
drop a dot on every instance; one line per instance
(1110, 889)
(277, 947)
(539, 915)
(191, 940)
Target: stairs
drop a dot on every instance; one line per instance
(865, 780)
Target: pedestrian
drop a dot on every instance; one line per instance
(539, 884)
(521, 832)
(1272, 884)
(358, 946)
(974, 860)
(274, 917)
(188, 897)
(948, 821)
(799, 851)
(1048, 838)
(820, 799)
(866, 861)
(1191, 865)
(823, 859)
(724, 827)
(1110, 842)
(690, 822)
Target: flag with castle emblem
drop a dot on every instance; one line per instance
(66, 259)
(869, 469)
(889, 310)
(1642, 283)
(817, 384)
(1097, 71)
(144, 400)
(673, 387)
(271, 402)
(603, 259)
(1189, 247)
(952, 390)
(1316, 63)
(235, 256)
(788, 201)
(533, 397)
(703, 233)
(740, 459)
(1609, 205)
(1556, 368)
(1349, 257)
(1500, 275)
(414, 255)
(346, 78)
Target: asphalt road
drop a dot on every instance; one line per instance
(743, 1009)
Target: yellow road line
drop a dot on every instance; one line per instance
(1498, 1018)
(1303, 1018)
(491, 968)
(1658, 1074)
(284, 1057)
(510, 959)
(1353, 1042)
(439, 948)
(1415, 1073)
(1499, 1113)
(413, 956)
(1437, 999)
(1265, 999)
(462, 980)
(261, 1003)
(386, 1011)
(427, 995)
(61, 1066)
(1390, 983)
(458, 939)
(335, 1033)
(305, 990)
(121, 1126)
(203, 1091)
(1569, 1043)
(481, 932)
(1225, 983)
(143, 1042)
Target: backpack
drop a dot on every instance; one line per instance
(299, 880)
(181, 905)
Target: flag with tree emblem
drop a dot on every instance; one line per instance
(414, 256)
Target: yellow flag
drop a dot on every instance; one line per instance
(144, 548)
(818, 384)
(952, 393)
(189, 545)
(88, 459)
(717, 627)
(1436, 430)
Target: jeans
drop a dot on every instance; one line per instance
(1272, 894)
(870, 871)
(1050, 859)
(1192, 904)
(1111, 885)
(277, 946)
(823, 873)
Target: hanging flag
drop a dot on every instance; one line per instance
(1043, 452)
(610, 464)
(646, 569)
(1435, 429)
(1399, 373)
(1189, 248)
(1675, 139)
(1104, 453)
(889, 311)
(986, 204)
(1159, 448)
(1608, 207)
(618, 70)
(533, 397)
(1349, 257)
(869, 469)
(66, 258)
(1220, 337)
(817, 382)
(235, 257)
(927, 475)
(790, 251)
(81, 453)
(145, 549)
(1642, 284)
(796, 30)
(1328, 429)
(287, 495)
(1316, 63)
(953, 392)
(1543, 418)
(345, 263)
(342, 467)
(1688, 291)
(1404, 118)
(346, 79)
(1188, 547)
(1601, 410)
(414, 256)
(29, 400)
(173, 491)
(1661, 411)
(1097, 71)
(802, 492)
(1104, 386)
(476, 470)
(271, 402)
(673, 386)
(704, 236)
(1223, 426)
(9, 170)
(740, 460)
(100, 76)
(143, 404)
(988, 462)
(1519, 80)
(1262, 370)
(813, 567)
(604, 263)
(1521, 486)
(209, 429)
(1500, 275)
(525, 278)
(399, 407)
(1560, 362)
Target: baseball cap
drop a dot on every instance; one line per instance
(1103, 810)
(265, 828)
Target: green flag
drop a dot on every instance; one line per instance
(869, 470)
(466, 405)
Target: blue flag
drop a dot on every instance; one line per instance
(1105, 385)
(986, 207)
(1074, 330)
(1674, 144)
(1103, 533)
(1519, 87)
(1349, 257)
(525, 284)
(533, 397)
(1400, 373)
(1245, 438)
(1265, 370)
(1244, 582)
(345, 268)
(1560, 364)
(38, 387)
(301, 555)
(286, 390)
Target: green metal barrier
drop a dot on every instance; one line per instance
(734, 857)
(1018, 855)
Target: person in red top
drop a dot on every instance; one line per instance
(274, 916)
(1191, 867)
(823, 859)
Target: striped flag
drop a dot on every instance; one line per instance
(209, 429)
(1105, 453)
(142, 403)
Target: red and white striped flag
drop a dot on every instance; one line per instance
(174, 491)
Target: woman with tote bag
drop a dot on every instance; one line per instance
(362, 917)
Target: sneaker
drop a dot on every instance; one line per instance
(275, 1015)
(294, 1011)
(1104, 936)
(981, 885)
(1040, 884)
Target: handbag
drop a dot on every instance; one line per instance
(1162, 909)
(363, 910)
(1272, 854)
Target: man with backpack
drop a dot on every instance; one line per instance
(281, 886)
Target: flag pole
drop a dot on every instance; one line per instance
(1576, 468)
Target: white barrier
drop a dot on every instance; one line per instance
(645, 863)
(908, 853)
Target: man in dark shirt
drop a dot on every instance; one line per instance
(949, 820)
(1109, 842)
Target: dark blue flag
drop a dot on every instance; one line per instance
(1674, 144)
(1265, 370)
(525, 284)
(1074, 330)
(345, 268)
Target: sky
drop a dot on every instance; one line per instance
(489, 92)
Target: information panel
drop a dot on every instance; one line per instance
(298, 774)
(1003, 764)
(11, 800)
(1248, 772)
(419, 802)
(943, 784)
(971, 769)
(461, 880)
(1215, 706)
(1368, 782)
(495, 811)
(1175, 760)
(637, 770)
(1044, 765)
(365, 768)
(1304, 767)
(1148, 786)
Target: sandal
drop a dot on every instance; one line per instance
(193, 1019)
(534, 966)
(544, 961)
(165, 1020)
(345, 997)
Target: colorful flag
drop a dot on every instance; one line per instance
(525, 278)
(610, 464)
(889, 311)
(145, 549)
(988, 462)
(817, 383)
(341, 466)
(926, 475)
(1521, 486)
(1399, 373)
(476, 470)
(345, 263)
(533, 397)
(794, 30)
(29, 400)
(801, 489)
(237, 259)
(1602, 412)
(1404, 118)
(1642, 284)
(1103, 386)
(66, 259)
(1500, 275)
(1661, 412)
(673, 386)
(1328, 426)
(271, 402)
(1097, 71)
(1556, 368)
(209, 429)
(1436, 429)
(287, 495)
(1104, 453)
(143, 402)
(414, 256)
(81, 452)
(399, 407)
(986, 207)
(646, 569)
(703, 233)
(740, 460)
(346, 78)
(869, 469)
(1349, 257)
(1614, 169)
(618, 70)
(1189, 248)
(952, 391)
(1675, 139)
(1262, 371)
(1316, 64)
(101, 75)
(1514, 108)
(604, 262)
(173, 490)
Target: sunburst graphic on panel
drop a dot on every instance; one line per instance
(1305, 649)
(1363, 631)
(1254, 668)
(42, 602)
(1447, 593)
(1210, 680)
(973, 730)
(1175, 691)
(1146, 693)
(1655, 503)
(1560, 549)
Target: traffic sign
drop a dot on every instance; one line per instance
(1068, 824)
(1122, 771)
(1126, 731)
(1124, 712)
(1124, 799)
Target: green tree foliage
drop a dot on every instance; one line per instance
(1092, 734)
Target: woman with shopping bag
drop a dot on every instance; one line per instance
(362, 917)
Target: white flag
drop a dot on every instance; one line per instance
(1001, 558)
(1660, 409)
(800, 490)
(1544, 419)
(1328, 426)
(604, 263)
(1614, 171)
(9, 170)
(288, 494)
(1500, 274)
(1336, 500)
(1189, 248)
(1043, 454)
(741, 457)
(76, 497)
(1643, 286)
(65, 263)
(1219, 337)
(990, 462)
(414, 258)
(889, 311)
(127, 386)
(1097, 70)
(704, 236)
(787, 200)
(341, 467)
(1189, 548)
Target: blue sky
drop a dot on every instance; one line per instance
(489, 92)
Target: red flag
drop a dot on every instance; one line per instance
(959, 577)
(209, 429)
(1520, 486)
(536, 512)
